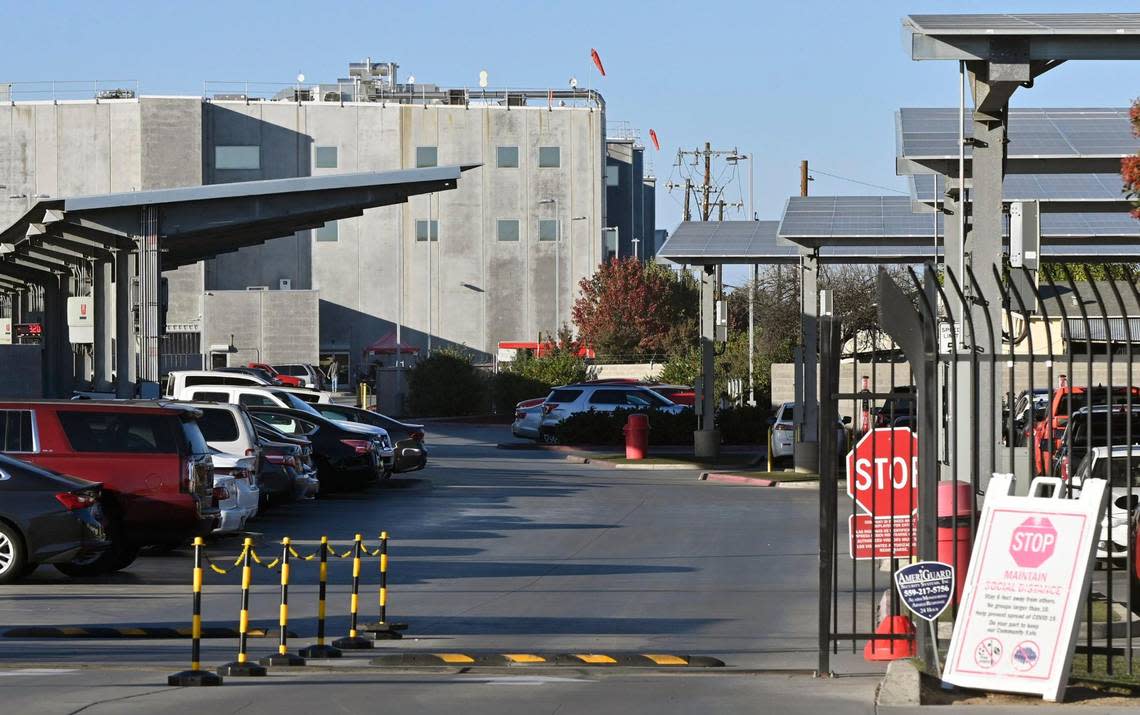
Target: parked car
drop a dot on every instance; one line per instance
(256, 372)
(680, 394)
(346, 455)
(410, 452)
(231, 517)
(783, 425)
(282, 461)
(313, 397)
(1087, 429)
(899, 403)
(151, 457)
(179, 380)
(47, 518)
(243, 497)
(1125, 478)
(286, 380)
(605, 397)
(1049, 432)
(528, 419)
(229, 429)
(313, 378)
(1024, 421)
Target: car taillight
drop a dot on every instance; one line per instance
(73, 501)
(418, 436)
(287, 460)
(548, 407)
(518, 416)
(360, 446)
(1065, 468)
(221, 494)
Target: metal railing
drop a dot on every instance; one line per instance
(1040, 379)
(63, 90)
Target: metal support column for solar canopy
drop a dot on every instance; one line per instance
(124, 334)
(149, 278)
(706, 440)
(806, 448)
(101, 304)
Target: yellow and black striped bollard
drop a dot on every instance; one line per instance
(321, 650)
(353, 641)
(382, 629)
(283, 657)
(196, 676)
(242, 666)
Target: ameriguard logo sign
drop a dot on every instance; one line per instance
(926, 587)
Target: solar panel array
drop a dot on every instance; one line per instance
(697, 240)
(930, 188)
(1025, 24)
(932, 133)
(891, 217)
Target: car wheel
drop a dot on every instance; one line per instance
(12, 563)
(119, 556)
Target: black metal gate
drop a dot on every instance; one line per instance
(1035, 380)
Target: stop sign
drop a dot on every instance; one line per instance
(1033, 542)
(882, 472)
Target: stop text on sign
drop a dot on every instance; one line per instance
(882, 472)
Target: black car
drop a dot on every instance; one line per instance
(47, 518)
(1085, 430)
(344, 458)
(408, 439)
(255, 371)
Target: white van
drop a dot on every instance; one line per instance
(178, 380)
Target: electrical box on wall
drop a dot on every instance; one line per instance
(285, 284)
(81, 320)
(5, 331)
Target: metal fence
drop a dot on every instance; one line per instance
(1036, 379)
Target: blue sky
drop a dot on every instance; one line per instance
(816, 80)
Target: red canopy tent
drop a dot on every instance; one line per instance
(387, 345)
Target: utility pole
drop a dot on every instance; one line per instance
(706, 210)
(804, 178)
(688, 193)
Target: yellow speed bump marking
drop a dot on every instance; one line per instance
(455, 658)
(524, 658)
(73, 631)
(595, 659)
(133, 632)
(666, 659)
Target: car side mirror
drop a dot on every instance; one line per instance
(847, 420)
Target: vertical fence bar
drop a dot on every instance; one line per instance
(1130, 551)
(828, 506)
(991, 355)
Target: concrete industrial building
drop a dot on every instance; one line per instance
(631, 197)
(499, 258)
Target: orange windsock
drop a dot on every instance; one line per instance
(653, 137)
(597, 61)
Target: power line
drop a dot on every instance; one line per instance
(857, 181)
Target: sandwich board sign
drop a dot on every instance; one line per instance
(1028, 573)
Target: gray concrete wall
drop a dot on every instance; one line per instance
(270, 326)
(22, 370)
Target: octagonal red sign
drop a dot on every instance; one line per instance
(882, 472)
(1033, 542)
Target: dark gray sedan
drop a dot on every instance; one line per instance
(407, 438)
(46, 518)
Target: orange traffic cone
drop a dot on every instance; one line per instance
(891, 648)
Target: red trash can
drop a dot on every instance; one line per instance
(636, 436)
(954, 530)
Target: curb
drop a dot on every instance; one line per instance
(634, 660)
(737, 479)
(900, 687)
(147, 633)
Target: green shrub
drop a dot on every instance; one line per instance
(508, 388)
(738, 425)
(530, 377)
(446, 384)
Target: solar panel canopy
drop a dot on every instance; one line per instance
(831, 220)
(932, 133)
(710, 242)
(1025, 24)
(1091, 188)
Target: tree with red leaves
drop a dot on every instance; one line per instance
(630, 308)
(1130, 166)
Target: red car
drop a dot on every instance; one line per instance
(154, 463)
(1048, 433)
(286, 380)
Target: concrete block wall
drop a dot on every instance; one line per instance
(265, 326)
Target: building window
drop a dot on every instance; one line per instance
(508, 229)
(549, 157)
(548, 229)
(427, 156)
(325, 157)
(237, 157)
(328, 232)
(422, 230)
(612, 175)
(507, 157)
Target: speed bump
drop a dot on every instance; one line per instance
(635, 660)
(141, 633)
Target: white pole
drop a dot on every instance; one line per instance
(429, 276)
(752, 291)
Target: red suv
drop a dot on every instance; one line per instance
(154, 463)
(1049, 433)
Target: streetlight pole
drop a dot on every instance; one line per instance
(755, 279)
(636, 246)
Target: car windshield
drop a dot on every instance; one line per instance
(789, 414)
(1095, 396)
(295, 403)
(1120, 469)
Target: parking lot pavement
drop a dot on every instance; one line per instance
(491, 549)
